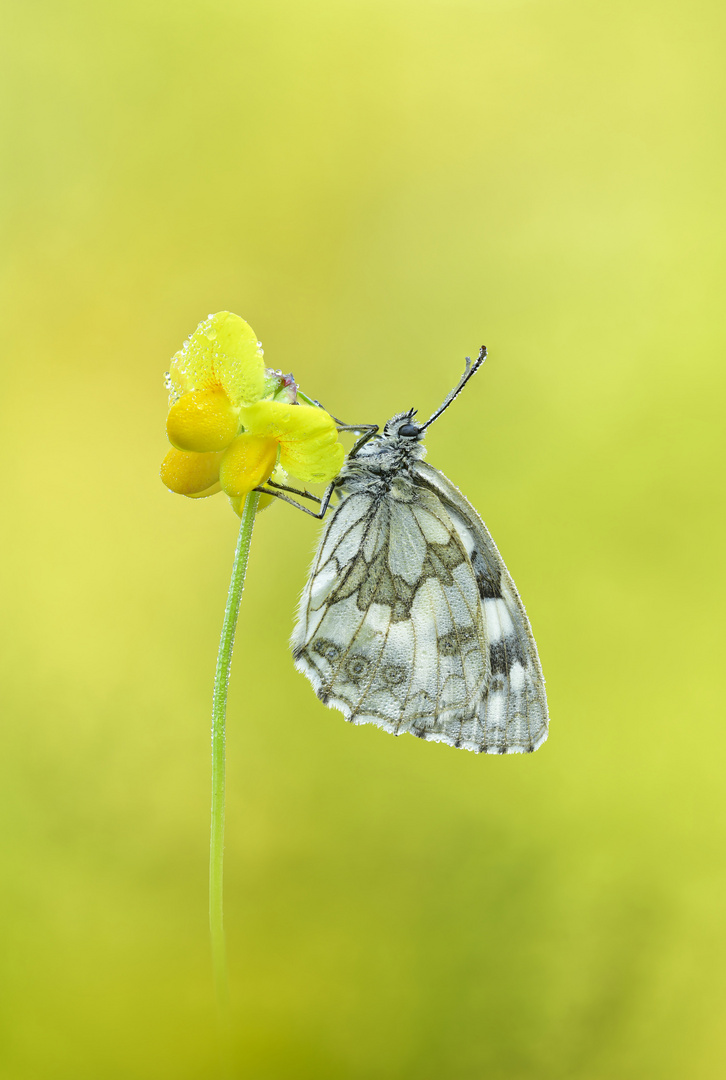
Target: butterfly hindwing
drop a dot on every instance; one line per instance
(512, 715)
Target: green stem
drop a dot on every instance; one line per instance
(219, 714)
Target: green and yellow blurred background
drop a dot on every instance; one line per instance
(378, 188)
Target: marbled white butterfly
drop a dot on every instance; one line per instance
(409, 619)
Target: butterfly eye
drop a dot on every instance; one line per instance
(408, 431)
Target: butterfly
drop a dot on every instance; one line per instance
(409, 619)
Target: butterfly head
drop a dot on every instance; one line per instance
(403, 427)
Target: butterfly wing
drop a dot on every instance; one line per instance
(512, 715)
(390, 626)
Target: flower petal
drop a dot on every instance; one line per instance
(247, 463)
(237, 502)
(202, 420)
(313, 464)
(193, 475)
(222, 352)
(308, 438)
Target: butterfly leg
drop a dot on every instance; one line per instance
(293, 491)
(324, 502)
(369, 430)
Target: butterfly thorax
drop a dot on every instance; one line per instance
(385, 463)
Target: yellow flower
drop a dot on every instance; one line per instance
(232, 422)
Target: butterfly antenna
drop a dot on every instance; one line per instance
(469, 370)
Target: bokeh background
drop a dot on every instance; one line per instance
(377, 187)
